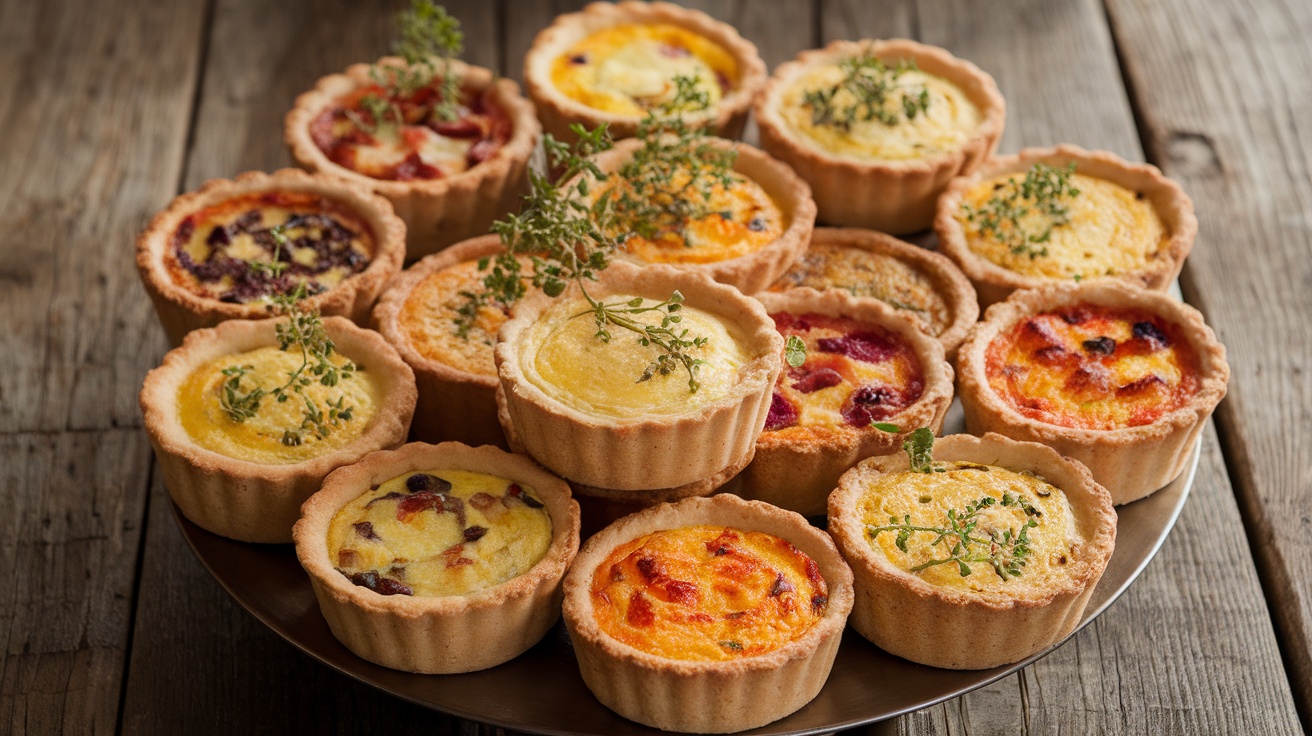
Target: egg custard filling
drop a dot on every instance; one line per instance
(564, 358)
(855, 375)
(439, 533)
(979, 529)
(1093, 367)
(628, 69)
(1090, 227)
(876, 275)
(707, 593)
(249, 248)
(897, 112)
(431, 317)
(264, 436)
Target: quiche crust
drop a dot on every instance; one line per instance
(442, 211)
(443, 634)
(994, 283)
(1131, 462)
(895, 197)
(558, 111)
(182, 310)
(707, 696)
(254, 502)
(961, 629)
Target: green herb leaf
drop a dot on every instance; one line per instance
(886, 427)
(1005, 552)
(869, 90)
(919, 447)
(794, 351)
(1010, 215)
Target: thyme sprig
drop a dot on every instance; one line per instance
(1045, 190)
(430, 40)
(872, 92)
(1005, 551)
(919, 447)
(273, 269)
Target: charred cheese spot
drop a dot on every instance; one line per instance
(707, 593)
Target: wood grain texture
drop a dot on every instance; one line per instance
(1223, 95)
(95, 130)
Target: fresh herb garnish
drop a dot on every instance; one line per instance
(273, 269)
(919, 446)
(869, 90)
(794, 351)
(1045, 191)
(732, 645)
(1004, 551)
(886, 427)
(430, 40)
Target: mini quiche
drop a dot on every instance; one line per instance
(577, 403)
(710, 615)
(921, 285)
(419, 314)
(1113, 375)
(982, 556)
(245, 475)
(1058, 214)
(222, 251)
(879, 128)
(865, 366)
(612, 63)
(439, 558)
(449, 180)
(746, 235)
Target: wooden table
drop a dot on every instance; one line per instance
(110, 109)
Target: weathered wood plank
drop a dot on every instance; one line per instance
(1223, 95)
(95, 127)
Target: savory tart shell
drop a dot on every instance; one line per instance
(442, 634)
(798, 473)
(437, 212)
(182, 310)
(698, 696)
(558, 111)
(1131, 462)
(636, 453)
(994, 283)
(924, 623)
(254, 502)
(892, 196)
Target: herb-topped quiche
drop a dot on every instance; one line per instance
(1115, 376)
(247, 418)
(439, 558)
(1059, 214)
(738, 593)
(613, 63)
(970, 552)
(920, 284)
(868, 378)
(879, 128)
(227, 249)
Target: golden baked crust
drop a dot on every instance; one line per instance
(893, 196)
(651, 451)
(962, 629)
(446, 634)
(699, 696)
(751, 271)
(558, 111)
(994, 282)
(248, 501)
(437, 212)
(181, 310)
(828, 264)
(796, 467)
(1131, 462)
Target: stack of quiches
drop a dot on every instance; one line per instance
(1084, 386)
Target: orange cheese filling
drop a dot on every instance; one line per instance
(708, 593)
(429, 316)
(1092, 367)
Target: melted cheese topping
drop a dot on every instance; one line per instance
(259, 439)
(627, 69)
(446, 532)
(945, 126)
(863, 273)
(1111, 230)
(563, 357)
(708, 593)
(1091, 367)
(927, 498)
(428, 319)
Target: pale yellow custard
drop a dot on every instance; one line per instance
(563, 357)
(260, 438)
(928, 497)
(949, 120)
(439, 533)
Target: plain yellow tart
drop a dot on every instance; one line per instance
(439, 558)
